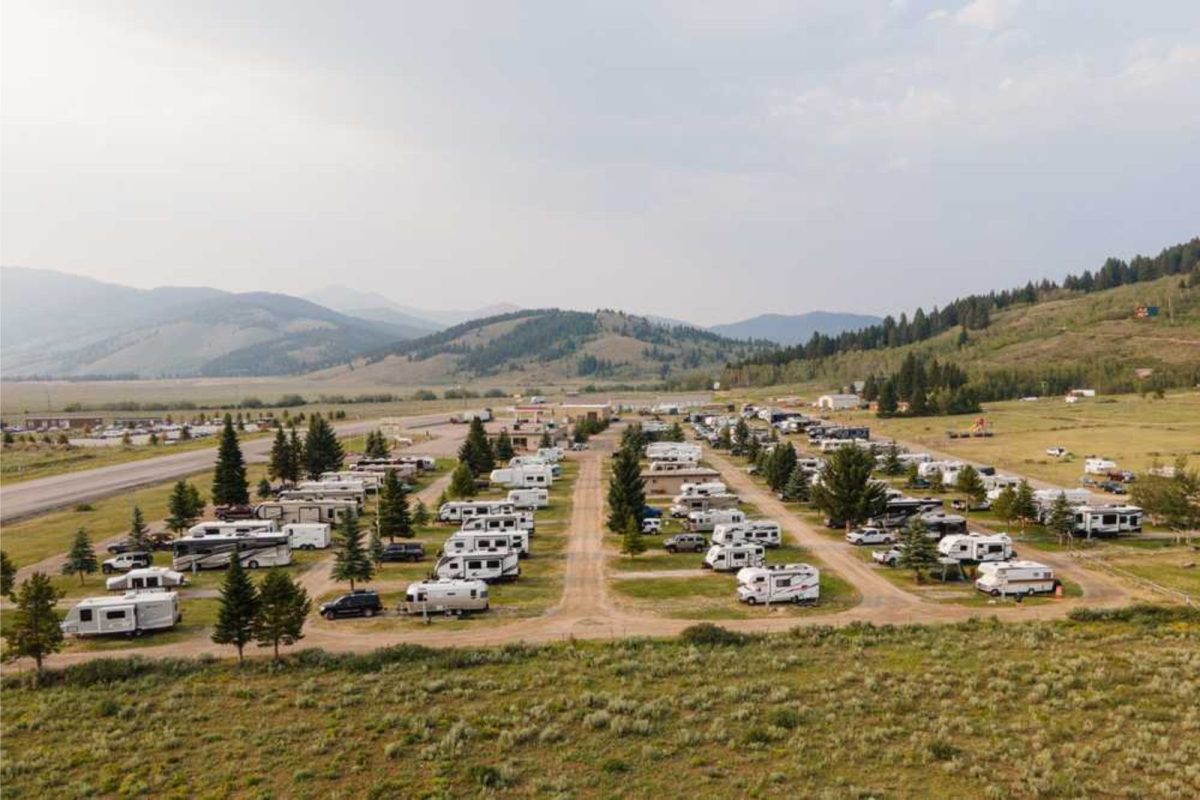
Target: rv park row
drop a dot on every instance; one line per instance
(575, 582)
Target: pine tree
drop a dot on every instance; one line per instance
(724, 439)
(375, 546)
(937, 484)
(741, 437)
(633, 438)
(631, 540)
(626, 491)
(504, 447)
(394, 517)
(891, 461)
(181, 508)
(8, 574)
(33, 630)
(476, 450)
(847, 493)
(1024, 505)
(970, 484)
(376, 445)
(280, 464)
(229, 479)
(545, 441)
(912, 474)
(797, 488)
(420, 516)
(238, 609)
(780, 465)
(295, 462)
(919, 551)
(264, 489)
(322, 450)
(139, 534)
(1004, 504)
(283, 606)
(81, 558)
(352, 562)
(462, 481)
(1062, 518)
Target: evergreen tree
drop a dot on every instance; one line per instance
(970, 484)
(420, 516)
(724, 439)
(182, 507)
(376, 445)
(1005, 504)
(752, 449)
(892, 465)
(919, 551)
(462, 481)
(264, 489)
(1062, 518)
(375, 546)
(295, 463)
(352, 562)
(322, 450)
(139, 534)
(847, 493)
(911, 475)
(797, 489)
(633, 438)
(229, 479)
(394, 517)
(780, 465)
(675, 434)
(741, 436)
(504, 447)
(476, 451)
(631, 539)
(888, 402)
(8, 574)
(1171, 500)
(238, 609)
(937, 483)
(545, 441)
(283, 605)
(1024, 505)
(626, 492)
(280, 464)
(81, 558)
(33, 630)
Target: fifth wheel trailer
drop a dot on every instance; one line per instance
(484, 567)
(130, 614)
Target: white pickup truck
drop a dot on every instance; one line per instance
(865, 536)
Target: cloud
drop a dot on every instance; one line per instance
(988, 15)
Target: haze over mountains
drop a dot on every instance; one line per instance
(789, 329)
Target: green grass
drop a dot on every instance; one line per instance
(1067, 709)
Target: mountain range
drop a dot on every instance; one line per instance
(788, 329)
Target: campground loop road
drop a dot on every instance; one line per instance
(27, 498)
(585, 609)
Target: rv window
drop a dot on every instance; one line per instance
(115, 614)
(85, 615)
(474, 593)
(785, 582)
(493, 565)
(139, 583)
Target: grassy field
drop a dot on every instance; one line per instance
(1099, 708)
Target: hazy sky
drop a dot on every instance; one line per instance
(701, 160)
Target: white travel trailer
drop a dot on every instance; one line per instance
(255, 549)
(766, 532)
(450, 597)
(673, 451)
(321, 494)
(1015, 578)
(489, 567)
(284, 512)
(976, 548)
(702, 521)
(423, 463)
(500, 523)
(457, 511)
(308, 535)
(681, 506)
(732, 557)
(145, 578)
(702, 489)
(1107, 520)
(551, 454)
(998, 483)
(779, 583)
(529, 498)
(1045, 498)
(529, 476)
(231, 528)
(487, 542)
(355, 486)
(1098, 466)
(673, 466)
(371, 481)
(130, 614)
(380, 466)
(927, 469)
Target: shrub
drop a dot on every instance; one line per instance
(83, 508)
(1146, 613)
(707, 633)
(786, 718)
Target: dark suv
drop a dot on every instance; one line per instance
(403, 551)
(359, 603)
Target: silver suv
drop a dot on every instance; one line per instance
(685, 543)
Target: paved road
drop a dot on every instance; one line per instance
(28, 498)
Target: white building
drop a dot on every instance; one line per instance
(839, 402)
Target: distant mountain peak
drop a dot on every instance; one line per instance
(789, 329)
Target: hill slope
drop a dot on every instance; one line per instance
(794, 328)
(552, 344)
(66, 326)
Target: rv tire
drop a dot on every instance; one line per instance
(252, 564)
(995, 592)
(752, 601)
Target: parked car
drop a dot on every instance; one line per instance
(403, 551)
(1112, 487)
(579, 446)
(865, 536)
(920, 483)
(157, 541)
(651, 512)
(890, 556)
(359, 603)
(124, 562)
(963, 505)
(232, 512)
(685, 543)
(652, 525)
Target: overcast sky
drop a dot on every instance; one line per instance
(707, 161)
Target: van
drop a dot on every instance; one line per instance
(732, 557)
(450, 597)
(308, 535)
(484, 567)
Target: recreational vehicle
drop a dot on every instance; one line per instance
(145, 578)
(490, 567)
(130, 614)
(529, 498)
(833, 445)
(229, 528)
(285, 512)
(380, 466)
(704, 521)
(682, 506)
(308, 535)
(1046, 498)
(1107, 520)
(450, 597)
(553, 467)
(530, 476)
(1015, 578)
(900, 510)
(457, 511)
(487, 542)
(702, 489)
(1098, 466)
(779, 583)
(766, 532)
(255, 549)
(732, 557)
(976, 548)
(500, 523)
(672, 466)
(939, 524)
(371, 481)
(356, 496)
(354, 486)
(551, 454)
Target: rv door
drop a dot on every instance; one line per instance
(122, 619)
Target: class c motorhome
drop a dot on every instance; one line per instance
(682, 505)
(131, 614)
(976, 548)
(766, 532)
(489, 567)
(779, 583)
(1015, 578)
(732, 557)
(449, 596)
(702, 489)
